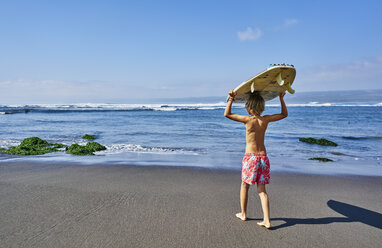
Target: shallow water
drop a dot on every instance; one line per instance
(199, 135)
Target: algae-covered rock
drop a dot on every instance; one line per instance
(322, 142)
(34, 141)
(37, 146)
(57, 145)
(88, 137)
(88, 149)
(3, 150)
(95, 147)
(321, 159)
(79, 150)
(32, 146)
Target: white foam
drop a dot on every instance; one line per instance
(168, 107)
(5, 143)
(107, 106)
(316, 104)
(165, 109)
(121, 148)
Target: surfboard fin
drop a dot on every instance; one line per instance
(289, 89)
(279, 80)
(253, 87)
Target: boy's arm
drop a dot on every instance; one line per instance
(227, 112)
(282, 115)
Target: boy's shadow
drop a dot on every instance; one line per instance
(352, 214)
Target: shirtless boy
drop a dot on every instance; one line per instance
(255, 162)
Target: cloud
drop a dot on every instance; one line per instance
(42, 91)
(360, 74)
(249, 34)
(22, 91)
(287, 24)
(290, 22)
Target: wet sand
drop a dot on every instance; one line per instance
(69, 205)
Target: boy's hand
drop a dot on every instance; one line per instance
(282, 94)
(232, 94)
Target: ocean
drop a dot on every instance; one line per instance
(198, 135)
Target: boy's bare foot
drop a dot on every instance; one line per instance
(264, 224)
(241, 216)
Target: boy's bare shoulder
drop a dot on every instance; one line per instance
(239, 118)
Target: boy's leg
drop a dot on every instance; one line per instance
(264, 204)
(243, 201)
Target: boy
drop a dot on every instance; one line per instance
(255, 162)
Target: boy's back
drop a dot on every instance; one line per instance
(255, 132)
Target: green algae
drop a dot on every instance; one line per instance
(88, 149)
(57, 145)
(32, 146)
(321, 159)
(322, 142)
(37, 146)
(89, 137)
(95, 147)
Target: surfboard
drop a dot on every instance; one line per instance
(269, 83)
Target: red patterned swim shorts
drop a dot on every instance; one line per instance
(255, 168)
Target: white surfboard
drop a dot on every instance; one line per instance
(269, 83)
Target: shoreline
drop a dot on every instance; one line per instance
(62, 205)
(277, 166)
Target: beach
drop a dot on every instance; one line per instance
(50, 204)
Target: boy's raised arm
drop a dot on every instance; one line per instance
(284, 111)
(227, 112)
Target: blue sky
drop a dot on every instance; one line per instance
(96, 51)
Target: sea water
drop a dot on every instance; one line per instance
(199, 135)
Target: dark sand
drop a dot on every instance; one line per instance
(63, 205)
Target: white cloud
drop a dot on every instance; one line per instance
(249, 34)
(48, 91)
(286, 24)
(290, 22)
(360, 74)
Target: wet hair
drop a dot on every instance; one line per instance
(256, 103)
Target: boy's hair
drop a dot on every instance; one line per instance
(256, 103)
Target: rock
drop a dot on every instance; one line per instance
(95, 147)
(32, 146)
(88, 137)
(321, 159)
(88, 149)
(322, 142)
(77, 149)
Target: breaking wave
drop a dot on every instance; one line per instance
(95, 107)
(105, 107)
(362, 137)
(121, 148)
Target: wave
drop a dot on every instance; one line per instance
(362, 137)
(121, 148)
(327, 104)
(6, 143)
(105, 107)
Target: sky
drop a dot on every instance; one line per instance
(115, 51)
